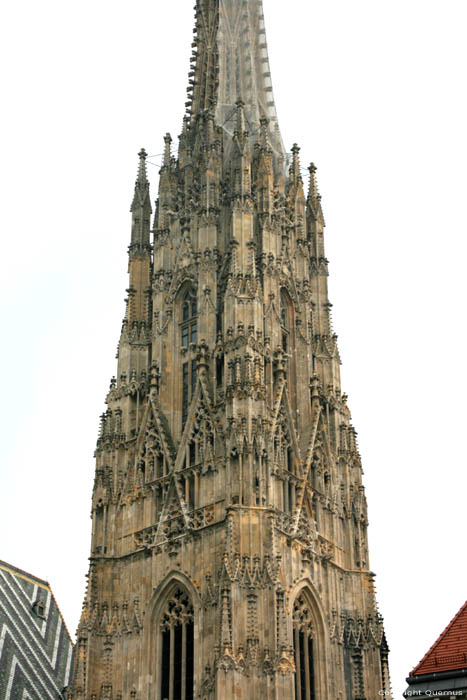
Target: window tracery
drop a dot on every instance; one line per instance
(177, 629)
(303, 649)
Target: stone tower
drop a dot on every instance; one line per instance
(229, 554)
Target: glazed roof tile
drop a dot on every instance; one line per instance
(449, 652)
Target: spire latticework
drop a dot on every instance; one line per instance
(230, 63)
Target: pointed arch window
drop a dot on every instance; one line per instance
(303, 650)
(177, 630)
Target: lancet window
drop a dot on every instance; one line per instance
(177, 631)
(303, 649)
(189, 322)
(188, 336)
(260, 460)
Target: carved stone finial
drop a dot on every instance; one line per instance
(280, 363)
(314, 386)
(202, 356)
(167, 153)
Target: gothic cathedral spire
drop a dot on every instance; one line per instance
(229, 554)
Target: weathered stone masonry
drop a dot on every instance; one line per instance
(229, 554)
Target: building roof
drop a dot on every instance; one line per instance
(35, 646)
(23, 574)
(449, 652)
(36, 581)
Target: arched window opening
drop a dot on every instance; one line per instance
(177, 647)
(160, 471)
(291, 495)
(287, 495)
(235, 469)
(257, 475)
(192, 452)
(219, 371)
(303, 649)
(189, 322)
(315, 508)
(190, 492)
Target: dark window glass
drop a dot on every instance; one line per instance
(189, 660)
(302, 666)
(297, 668)
(165, 663)
(311, 668)
(160, 466)
(178, 663)
(192, 453)
(194, 366)
(219, 371)
(191, 492)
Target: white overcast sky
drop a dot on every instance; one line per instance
(374, 93)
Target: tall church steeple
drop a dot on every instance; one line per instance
(230, 63)
(229, 553)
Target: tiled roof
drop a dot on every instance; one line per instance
(449, 652)
(24, 574)
(35, 647)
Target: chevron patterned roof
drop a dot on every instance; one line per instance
(35, 647)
